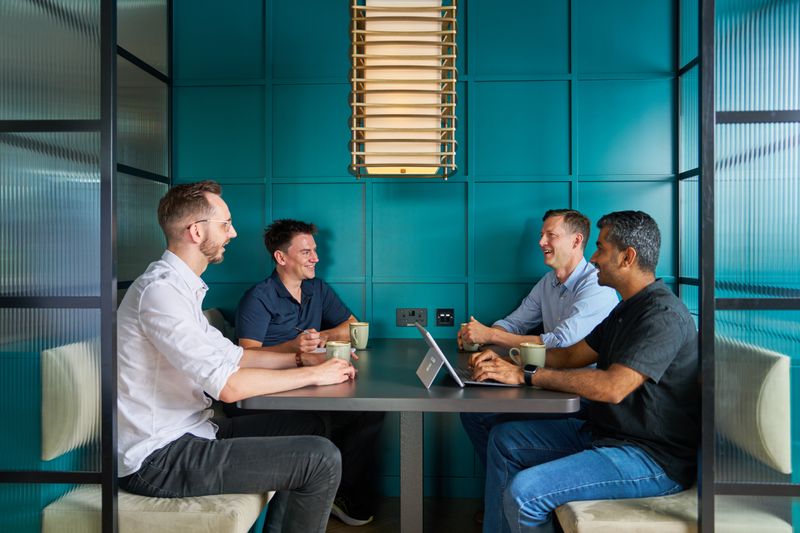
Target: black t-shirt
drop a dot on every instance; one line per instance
(652, 333)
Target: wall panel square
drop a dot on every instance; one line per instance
(626, 127)
(311, 40)
(352, 294)
(419, 230)
(219, 132)
(310, 130)
(653, 197)
(246, 259)
(521, 38)
(338, 212)
(624, 36)
(225, 296)
(494, 301)
(507, 226)
(521, 128)
(216, 41)
(389, 296)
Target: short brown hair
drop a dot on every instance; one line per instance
(574, 221)
(183, 201)
(279, 234)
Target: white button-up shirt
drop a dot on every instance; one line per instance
(168, 356)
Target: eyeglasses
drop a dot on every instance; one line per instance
(225, 223)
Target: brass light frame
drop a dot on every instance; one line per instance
(403, 88)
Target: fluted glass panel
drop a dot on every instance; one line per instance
(50, 57)
(689, 18)
(689, 190)
(757, 201)
(755, 352)
(22, 506)
(756, 514)
(757, 55)
(139, 237)
(142, 30)
(50, 200)
(50, 380)
(689, 296)
(689, 121)
(142, 119)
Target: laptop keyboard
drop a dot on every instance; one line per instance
(464, 373)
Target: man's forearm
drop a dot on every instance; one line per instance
(267, 357)
(589, 383)
(340, 332)
(506, 339)
(249, 382)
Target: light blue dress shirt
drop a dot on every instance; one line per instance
(568, 311)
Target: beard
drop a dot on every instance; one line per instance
(213, 251)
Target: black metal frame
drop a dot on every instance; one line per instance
(709, 303)
(106, 302)
(706, 267)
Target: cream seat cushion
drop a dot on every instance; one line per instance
(79, 510)
(676, 513)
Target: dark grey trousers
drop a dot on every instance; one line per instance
(252, 454)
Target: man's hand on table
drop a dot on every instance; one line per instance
(488, 365)
(333, 371)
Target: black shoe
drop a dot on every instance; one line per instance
(344, 510)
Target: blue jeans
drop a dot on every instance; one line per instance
(535, 466)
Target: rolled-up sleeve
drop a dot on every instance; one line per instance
(527, 316)
(168, 319)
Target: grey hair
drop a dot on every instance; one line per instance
(637, 230)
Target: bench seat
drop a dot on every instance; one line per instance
(80, 510)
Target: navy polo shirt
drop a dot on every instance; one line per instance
(267, 311)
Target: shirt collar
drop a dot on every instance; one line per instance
(193, 281)
(283, 292)
(573, 278)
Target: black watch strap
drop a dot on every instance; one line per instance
(528, 372)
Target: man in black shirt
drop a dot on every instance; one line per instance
(641, 431)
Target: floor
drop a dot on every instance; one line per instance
(441, 514)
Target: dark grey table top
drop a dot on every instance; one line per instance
(387, 381)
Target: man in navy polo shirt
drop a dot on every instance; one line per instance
(293, 311)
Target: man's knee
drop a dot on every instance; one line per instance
(523, 501)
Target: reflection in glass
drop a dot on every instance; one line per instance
(142, 30)
(757, 185)
(139, 237)
(50, 57)
(762, 514)
(22, 507)
(49, 373)
(757, 56)
(50, 200)
(689, 227)
(142, 119)
(753, 394)
(689, 121)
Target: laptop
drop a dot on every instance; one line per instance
(434, 360)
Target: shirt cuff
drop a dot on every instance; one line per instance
(506, 325)
(550, 340)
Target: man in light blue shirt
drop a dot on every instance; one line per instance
(567, 302)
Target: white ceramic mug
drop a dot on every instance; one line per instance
(466, 346)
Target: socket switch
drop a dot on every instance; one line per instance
(407, 316)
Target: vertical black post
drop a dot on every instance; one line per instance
(706, 293)
(170, 167)
(108, 274)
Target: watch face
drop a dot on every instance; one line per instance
(530, 368)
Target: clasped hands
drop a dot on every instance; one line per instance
(473, 332)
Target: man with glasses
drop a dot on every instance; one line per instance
(170, 360)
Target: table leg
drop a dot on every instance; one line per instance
(411, 472)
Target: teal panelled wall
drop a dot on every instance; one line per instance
(561, 103)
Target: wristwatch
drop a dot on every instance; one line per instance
(528, 372)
